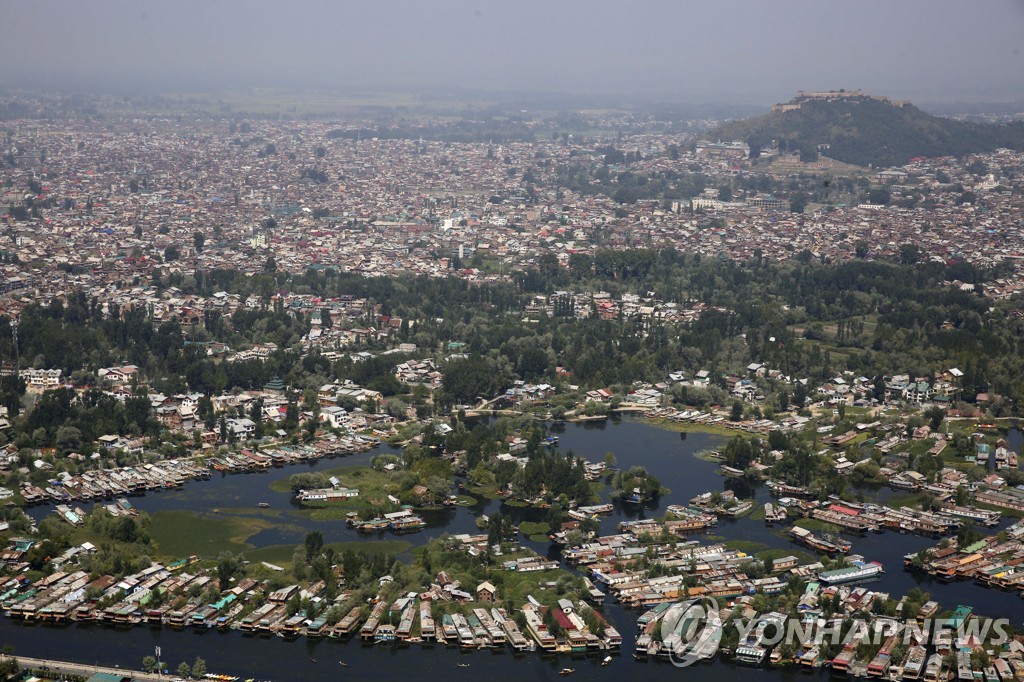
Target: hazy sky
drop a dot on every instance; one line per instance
(755, 51)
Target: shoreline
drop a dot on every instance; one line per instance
(689, 427)
(48, 665)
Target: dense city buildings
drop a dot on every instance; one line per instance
(103, 206)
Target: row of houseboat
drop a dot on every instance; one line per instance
(709, 418)
(905, 648)
(173, 473)
(170, 596)
(995, 561)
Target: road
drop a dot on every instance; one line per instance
(68, 668)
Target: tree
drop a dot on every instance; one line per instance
(798, 202)
(575, 537)
(739, 452)
(148, 664)
(935, 415)
(808, 153)
(126, 529)
(494, 528)
(172, 253)
(736, 414)
(472, 377)
(199, 668)
(228, 566)
(977, 167)
(879, 196)
(314, 544)
(205, 406)
(68, 438)
(628, 482)
(291, 415)
(256, 415)
(184, 670)
(909, 253)
(198, 238)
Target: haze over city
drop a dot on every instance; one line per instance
(744, 52)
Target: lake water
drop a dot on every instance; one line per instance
(664, 453)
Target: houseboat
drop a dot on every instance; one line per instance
(859, 571)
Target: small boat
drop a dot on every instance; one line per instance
(607, 660)
(462, 665)
(566, 671)
(263, 505)
(343, 664)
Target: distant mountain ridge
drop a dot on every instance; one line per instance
(863, 130)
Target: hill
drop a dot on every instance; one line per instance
(865, 130)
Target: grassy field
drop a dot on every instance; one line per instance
(182, 533)
(1011, 513)
(816, 525)
(772, 554)
(331, 513)
(746, 546)
(916, 447)
(179, 534)
(351, 476)
(533, 527)
(490, 493)
(912, 500)
(517, 586)
(374, 487)
(257, 512)
(535, 530)
(870, 324)
(837, 352)
(687, 427)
